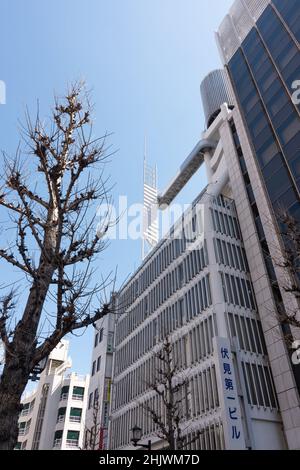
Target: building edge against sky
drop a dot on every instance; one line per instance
(244, 183)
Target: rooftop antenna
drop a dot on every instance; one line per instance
(150, 222)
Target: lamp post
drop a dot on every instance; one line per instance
(137, 436)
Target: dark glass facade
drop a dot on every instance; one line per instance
(262, 72)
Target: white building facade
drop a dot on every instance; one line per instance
(99, 394)
(53, 416)
(196, 288)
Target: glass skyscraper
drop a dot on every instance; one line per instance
(262, 71)
(259, 44)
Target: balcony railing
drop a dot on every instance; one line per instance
(23, 431)
(26, 411)
(57, 444)
(72, 443)
(75, 419)
(64, 396)
(77, 376)
(60, 419)
(75, 396)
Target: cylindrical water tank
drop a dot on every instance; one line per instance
(215, 90)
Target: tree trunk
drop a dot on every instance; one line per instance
(170, 406)
(19, 361)
(13, 382)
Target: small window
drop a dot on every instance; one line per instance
(75, 415)
(229, 290)
(98, 363)
(225, 253)
(96, 340)
(94, 368)
(58, 437)
(224, 287)
(72, 436)
(180, 275)
(101, 335)
(64, 392)
(90, 400)
(234, 290)
(61, 414)
(78, 391)
(96, 397)
(221, 257)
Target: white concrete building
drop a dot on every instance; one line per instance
(53, 416)
(200, 293)
(99, 394)
(216, 290)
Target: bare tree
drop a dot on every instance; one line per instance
(289, 261)
(92, 433)
(173, 392)
(48, 192)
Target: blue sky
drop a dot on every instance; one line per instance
(144, 61)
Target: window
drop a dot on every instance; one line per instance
(96, 397)
(251, 297)
(229, 290)
(78, 393)
(96, 340)
(64, 392)
(75, 415)
(93, 368)
(245, 293)
(101, 335)
(259, 385)
(98, 363)
(181, 310)
(240, 293)
(225, 253)
(57, 439)
(180, 275)
(90, 400)
(22, 425)
(289, 9)
(61, 414)
(279, 183)
(72, 438)
(231, 260)
(235, 294)
(26, 407)
(224, 287)
(289, 129)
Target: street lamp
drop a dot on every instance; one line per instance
(137, 436)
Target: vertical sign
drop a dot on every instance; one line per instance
(227, 384)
